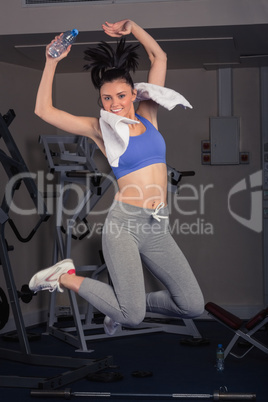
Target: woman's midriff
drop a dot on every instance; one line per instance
(144, 188)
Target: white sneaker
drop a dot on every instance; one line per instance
(48, 279)
(110, 326)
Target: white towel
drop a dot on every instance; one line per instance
(115, 134)
(115, 130)
(166, 97)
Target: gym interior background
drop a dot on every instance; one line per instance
(202, 38)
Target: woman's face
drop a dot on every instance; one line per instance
(117, 97)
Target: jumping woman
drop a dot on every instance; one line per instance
(136, 229)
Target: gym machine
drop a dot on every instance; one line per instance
(15, 166)
(72, 160)
(245, 330)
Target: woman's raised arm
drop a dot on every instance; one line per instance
(157, 57)
(86, 126)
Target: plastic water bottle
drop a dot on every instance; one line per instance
(60, 45)
(220, 358)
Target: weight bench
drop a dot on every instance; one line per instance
(242, 329)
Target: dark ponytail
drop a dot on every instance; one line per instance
(107, 64)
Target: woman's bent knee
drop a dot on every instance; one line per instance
(196, 311)
(193, 308)
(133, 320)
(196, 308)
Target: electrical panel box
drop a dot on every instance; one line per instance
(224, 140)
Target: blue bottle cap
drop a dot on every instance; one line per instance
(75, 32)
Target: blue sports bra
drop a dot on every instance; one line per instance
(143, 150)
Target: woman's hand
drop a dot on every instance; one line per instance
(117, 29)
(62, 56)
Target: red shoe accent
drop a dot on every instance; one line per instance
(71, 271)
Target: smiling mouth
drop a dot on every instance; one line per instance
(116, 110)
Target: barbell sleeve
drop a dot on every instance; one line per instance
(51, 393)
(230, 396)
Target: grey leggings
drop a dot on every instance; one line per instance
(132, 236)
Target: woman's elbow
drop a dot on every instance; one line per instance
(159, 59)
(36, 112)
(164, 56)
(40, 112)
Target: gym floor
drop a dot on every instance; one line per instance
(165, 364)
